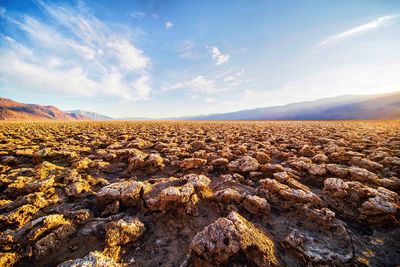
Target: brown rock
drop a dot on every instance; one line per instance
(256, 205)
(220, 162)
(192, 163)
(124, 231)
(94, 259)
(244, 164)
(128, 192)
(227, 237)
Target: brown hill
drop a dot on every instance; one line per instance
(12, 110)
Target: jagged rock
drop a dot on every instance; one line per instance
(378, 155)
(192, 163)
(284, 196)
(219, 242)
(337, 170)
(36, 199)
(256, 205)
(136, 162)
(261, 157)
(366, 164)
(8, 259)
(220, 162)
(244, 164)
(382, 209)
(320, 158)
(40, 186)
(150, 163)
(171, 197)
(20, 216)
(75, 184)
(94, 259)
(316, 249)
(271, 168)
(391, 161)
(128, 192)
(228, 195)
(323, 239)
(111, 209)
(82, 164)
(316, 170)
(363, 175)
(306, 151)
(359, 202)
(198, 145)
(285, 178)
(199, 182)
(124, 231)
(53, 240)
(154, 163)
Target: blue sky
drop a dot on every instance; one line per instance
(176, 58)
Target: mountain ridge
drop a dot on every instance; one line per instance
(345, 107)
(378, 106)
(89, 114)
(13, 110)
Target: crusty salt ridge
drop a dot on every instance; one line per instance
(199, 193)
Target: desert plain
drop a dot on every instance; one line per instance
(283, 193)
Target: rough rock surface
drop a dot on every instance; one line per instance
(285, 193)
(376, 206)
(227, 237)
(124, 231)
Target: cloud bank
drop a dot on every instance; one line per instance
(70, 51)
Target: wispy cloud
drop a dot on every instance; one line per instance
(216, 54)
(169, 25)
(358, 29)
(78, 55)
(201, 84)
(198, 84)
(187, 49)
(137, 15)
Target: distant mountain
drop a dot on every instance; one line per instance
(91, 115)
(350, 107)
(12, 110)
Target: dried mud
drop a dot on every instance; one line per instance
(200, 193)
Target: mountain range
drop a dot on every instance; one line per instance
(12, 110)
(348, 107)
(90, 115)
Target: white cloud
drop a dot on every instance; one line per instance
(229, 78)
(198, 84)
(76, 55)
(137, 15)
(218, 84)
(187, 50)
(216, 54)
(358, 29)
(169, 25)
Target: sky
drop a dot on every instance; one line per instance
(177, 58)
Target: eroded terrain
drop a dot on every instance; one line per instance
(200, 194)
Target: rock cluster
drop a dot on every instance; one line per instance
(200, 193)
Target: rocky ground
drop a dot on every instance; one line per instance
(200, 194)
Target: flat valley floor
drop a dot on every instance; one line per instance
(284, 193)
